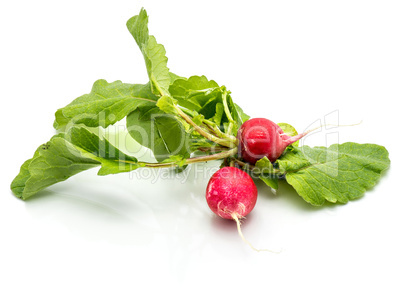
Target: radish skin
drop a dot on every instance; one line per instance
(231, 191)
(260, 137)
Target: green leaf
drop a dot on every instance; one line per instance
(217, 119)
(197, 93)
(339, 173)
(290, 131)
(270, 181)
(167, 104)
(106, 104)
(205, 97)
(66, 155)
(265, 171)
(174, 77)
(163, 133)
(18, 184)
(263, 166)
(193, 87)
(53, 162)
(154, 54)
(112, 160)
(237, 113)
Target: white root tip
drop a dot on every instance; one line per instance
(295, 138)
(236, 218)
(334, 125)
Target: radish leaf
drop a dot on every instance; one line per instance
(167, 104)
(53, 162)
(265, 171)
(66, 155)
(197, 93)
(154, 53)
(163, 133)
(91, 145)
(237, 113)
(339, 173)
(106, 104)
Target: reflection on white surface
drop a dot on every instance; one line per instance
(142, 223)
(154, 220)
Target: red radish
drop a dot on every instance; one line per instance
(232, 194)
(260, 137)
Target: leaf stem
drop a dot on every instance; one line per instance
(199, 159)
(225, 142)
(211, 125)
(212, 149)
(227, 111)
(275, 172)
(243, 164)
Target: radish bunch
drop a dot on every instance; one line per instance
(231, 192)
(188, 120)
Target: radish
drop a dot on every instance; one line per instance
(232, 194)
(260, 137)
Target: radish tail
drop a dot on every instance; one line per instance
(235, 217)
(289, 140)
(292, 139)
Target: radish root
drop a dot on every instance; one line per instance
(238, 223)
(295, 138)
(334, 125)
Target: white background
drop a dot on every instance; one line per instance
(289, 61)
